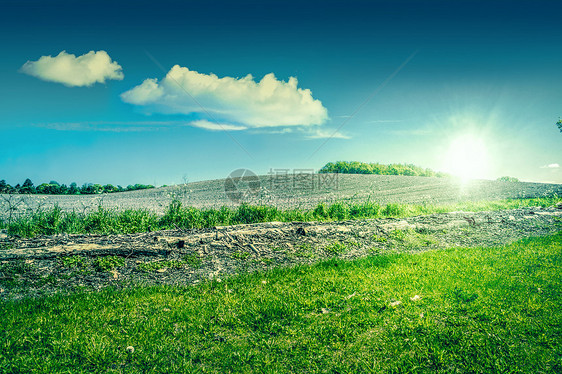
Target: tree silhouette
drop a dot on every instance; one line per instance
(27, 187)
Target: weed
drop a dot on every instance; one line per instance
(193, 260)
(108, 263)
(107, 221)
(240, 255)
(304, 250)
(13, 268)
(6, 246)
(159, 265)
(411, 239)
(335, 248)
(73, 262)
(379, 239)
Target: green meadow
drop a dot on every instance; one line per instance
(461, 310)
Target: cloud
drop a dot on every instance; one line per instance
(310, 132)
(85, 70)
(550, 166)
(204, 124)
(317, 133)
(127, 126)
(111, 126)
(385, 121)
(267, 103)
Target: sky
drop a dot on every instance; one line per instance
(164, 92)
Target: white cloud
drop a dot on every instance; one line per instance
(550, 166)
(385, 121)
(204, 124)
(317, 133)
(85, 70)
(111, 126)
(267, 103)
(310, 132)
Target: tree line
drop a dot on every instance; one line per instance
(356, 167)
(54, 188)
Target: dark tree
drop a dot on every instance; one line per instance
(73, 189)
(559, 124)
(4, 187)
(27, 187)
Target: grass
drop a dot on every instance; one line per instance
(411, 239)
(108, 263)
(463, 310)
(106, 221)
(160, 265)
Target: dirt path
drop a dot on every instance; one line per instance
(63, 263)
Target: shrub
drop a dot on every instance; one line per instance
(508, 179)
(356, 167)
(321, 211)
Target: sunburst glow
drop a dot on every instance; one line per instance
(467, 158)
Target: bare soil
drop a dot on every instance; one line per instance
(67, 263)
(291, 192)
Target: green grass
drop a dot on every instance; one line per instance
(108, 263)
(160, 265)
(463, 310)
(106, 221)
(240, 255)
(410, 239)
(335, 248)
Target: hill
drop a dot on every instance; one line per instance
(293, 192)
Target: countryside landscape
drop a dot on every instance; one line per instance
(280, 187)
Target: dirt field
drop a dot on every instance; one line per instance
(63, 263)
(294, 192)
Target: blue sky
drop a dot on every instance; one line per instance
(472, 88)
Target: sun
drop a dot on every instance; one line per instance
(467, 158)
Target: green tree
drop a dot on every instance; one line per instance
(27, 187)
(73, 189)
(4, 187)
(63, 189)
(109, 188)
(559, 124)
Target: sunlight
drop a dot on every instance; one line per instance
(467, 158)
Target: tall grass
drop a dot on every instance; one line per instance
(108, 221)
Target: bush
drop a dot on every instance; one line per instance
(320, 212)
(356, 167)
(508, 179)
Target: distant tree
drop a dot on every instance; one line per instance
(43, 188)
(86, 189)
(4, 187)
(109, 188)
(73, 189)
(27, 187)
(54, 188)
(508, 179)
(355, 167)
(63, 189)
(559, 124)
